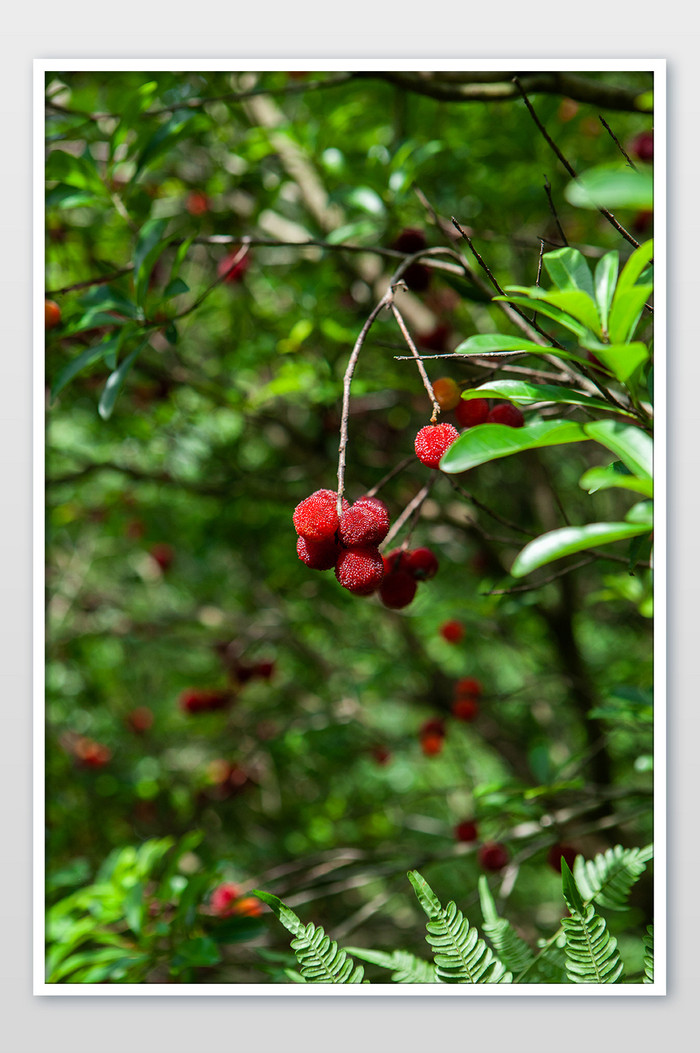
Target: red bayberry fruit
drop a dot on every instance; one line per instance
(231, 268)
(452, 631)
(493, 856)
(557, 851)
(468, 686)
(422, 564)
(265, 670)
(431, 745)
(140, 719)
(194, 700)
(470, 412)
(364, 523)
(381, 754)
(316, 517)
(248, 907)
(91, 754)
(466, 831)
(360, 570)
(436, 339)
(52, 314)
(379, 509)
(410, 240)
(197, 203)
(163, 554)
(222, 899)
(446, 392)
(506, 413)
(417, 277)
(465, 709)
(319, 555)
(397, 589)
(434, 726)
(396, 560)
(643, 146)
(432, 441)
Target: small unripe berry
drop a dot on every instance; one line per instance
(360, 570)
(452, 631)
(248, 907)
(446, 393)
(557, 851)
(316, 517)
(222, 899)
(52, 314)
(466, 709)
(422, 564)
(466, 831)
(364, 523)
(470, 412)
(431, 745)
(319, 555)
(397, 589)
(432, 442)
(468, 685)
(231, 269)
(493, 856)
(506, 413)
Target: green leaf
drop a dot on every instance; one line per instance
(199, 952)
(493, 343)
(643, 512)
(635, 267)
(569, 269)
(64, 196)
(524, 393)
(607, 879)
(567, 540)
(364, 228)
(591, 952)
(74, 171)
(114, 383)
(632, 445)
(573, 302)
(608, 186)
(134, 907)
(511, 948)
(605, 281)
(649, 955)
(558, 315)
(149, 246)
(621, 359)
(406, 968)
(285, 914)
(605, 478)
(82, 361)
(164, 139)
(487, 442)
(176, 287)
(626, 311)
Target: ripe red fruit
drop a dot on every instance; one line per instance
(364, 523)
(643, 146)
(197, 203)
(417, 277)
(432, 441)
(52, 314)
(381, 754)
(410, 240)
(452, 631)
(557, 851)
(397, 589)
(248, 907)
(436, 339)
(140, 719)
(465, 709)
(446, 392)
(319, 555)
(471, 411)
(468, 686)
(360, 570)
(422, 564)
(194, 700)
(396, 560)
(493, 856)
(265, 670)
(506, 413)
(431, 745)
(466, 831)
(91, 754)
(222, 899)
(163, 554)
(232, 269)
(316, 517)
(434, 726)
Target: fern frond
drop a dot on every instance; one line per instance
(512, 949)
(608, 878)
(649, 956)
(406, 968)
(591, 952)
(461, 957)
(321, 961)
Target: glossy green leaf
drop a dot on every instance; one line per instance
(626, 311)
(622, 359)
(524, 393)
(163, 139)
(488, 442)
(115, 383)
(149, 246)
(569, 269)
(605, 280)
(606, 478)
(632, 445)
(573, 302)
(82, 361)
(75, 171)
(494, 343)
(642, 512)
(566, 541)
(542, 307)
(176, 287)
(607, 186)
(635, 267)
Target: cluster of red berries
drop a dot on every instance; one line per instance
(90, 754)
(492, 854)
(470, 412)
(226, 901)
(465, 705)
(198, 700)
(403, 570)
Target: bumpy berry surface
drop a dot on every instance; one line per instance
(465, 709)
(446, 392)
(468, 685)
(319, 555)
(466, 831)
(431, 745)
(493, 856)
(422, 564)
(316, 517)
(452, 631)
(506, 413)
(432, 441)
(470, 412)
(397, 589)
(360, 570)
(364, 523)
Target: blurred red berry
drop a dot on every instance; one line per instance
(433, 726)
(52, 314)
(197, 203)
(410, 240)
(452, 631)
(435, 339)
(557, 851)
(643, 221)
(222, 899)
(465, 709)
(265, 670)
(446, 393)
(422, 564)
(233, 267)
(397, 589)
(493, 856)
(195, 700)
(506, 413)
(643, 146)
(431, 745)
(163, 554)
(91, 754)
(470, 412)
(468, 686)
(140, 719)
(466, 831)
(247, 907)
(381, 754)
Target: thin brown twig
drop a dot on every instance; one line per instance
(552, 209)
(414, 352)
(617, 142)
(413, 507)
(396, 470)
(543, 581)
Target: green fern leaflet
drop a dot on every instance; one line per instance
(608, 878)
(591, 952)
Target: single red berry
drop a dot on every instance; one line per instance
(436, 339)
(222, 899)
(432, 441)
(466, 831)
(422, 564)
(452, 631)
(434, 726)
(466, 709)
(316, 517)
(319, 555)
(417, 277)
(470, 412)
(468, 686)
(140, 719)
(360, 570)
(197, 203)
(379, 509)
(231, 268)
(381, 754)
(643, 146)
(557, 851)
(163, 554)
(91, 754)
(397, 589)
(493, 856)
(506, 413)
(248, 907)
(410, 240)
(447, 393)
(396, 560)
(52, 314)
(431, 745)
(363, 524)
(265, 670)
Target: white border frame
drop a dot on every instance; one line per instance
(658, 68)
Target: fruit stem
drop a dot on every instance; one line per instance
(419, 362)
